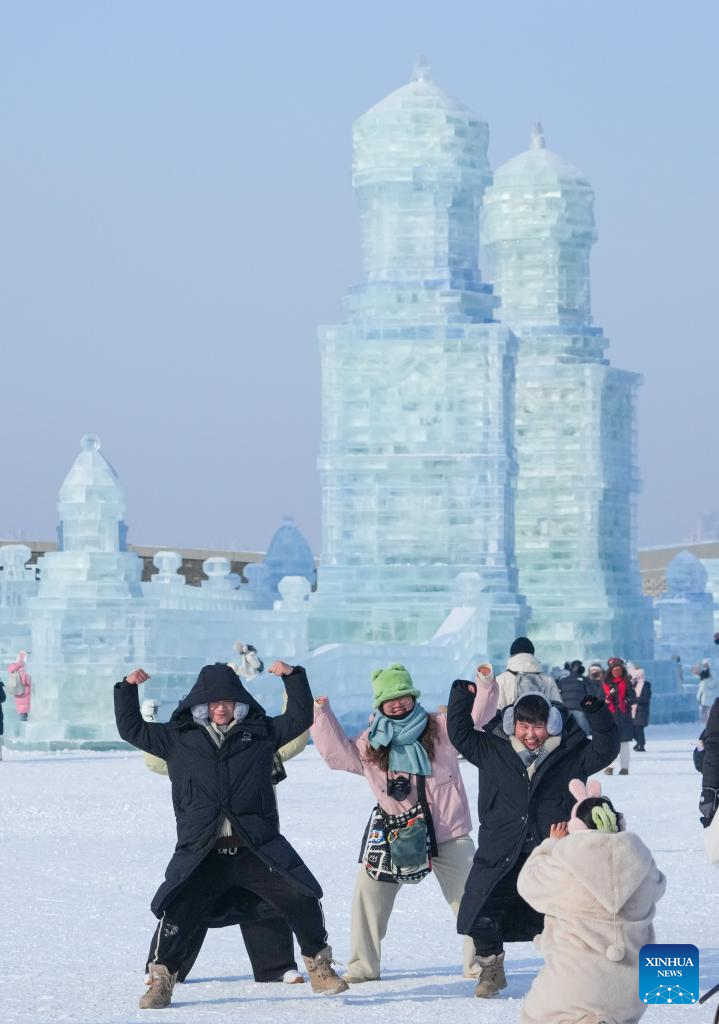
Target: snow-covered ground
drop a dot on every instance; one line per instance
(86, 837)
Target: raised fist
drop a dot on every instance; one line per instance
(279, 668)
(137, 677)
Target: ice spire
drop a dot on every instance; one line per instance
(422, 72)
(538, 136)
(91, 503)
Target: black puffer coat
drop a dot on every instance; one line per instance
(574, 689)
(644, 700)
(512, 807)
(234, 781)
(710, 765)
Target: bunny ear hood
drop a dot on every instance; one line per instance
(610, 866)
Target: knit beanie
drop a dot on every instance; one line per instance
(392, 682)
(522, 645)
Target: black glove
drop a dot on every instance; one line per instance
(708, 805)
(590, 703)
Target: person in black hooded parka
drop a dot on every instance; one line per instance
(526, 756)
(2, 716)
(219, 746)
(709, 800)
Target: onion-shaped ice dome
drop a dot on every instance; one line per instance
(538, 229)
(289, 554)
(420, 167)
(686, 574)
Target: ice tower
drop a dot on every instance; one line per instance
(575, 422)
(416, 460)
(83, 617)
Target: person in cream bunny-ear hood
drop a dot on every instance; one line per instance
(598, 887)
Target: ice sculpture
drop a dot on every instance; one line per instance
(17, 585)
(575, 419)
(289, 554)
(83, 619)
(416, 458)
(686, 612)
(91, 619)
(712, 567)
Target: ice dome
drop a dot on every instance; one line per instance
(539, 164)
(419, 131)
(420, 93)
(538, 231)
(289, 554)
(686, 574)
(419, 170)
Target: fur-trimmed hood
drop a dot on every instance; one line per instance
(218, 682)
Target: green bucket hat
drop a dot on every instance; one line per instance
(392, 682)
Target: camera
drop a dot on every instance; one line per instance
(399, 788)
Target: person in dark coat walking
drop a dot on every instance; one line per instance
(709, 799)
(219, 746)
(620, 698)
(574, 688)
(526, 757)
(2, 715)
(640, 710)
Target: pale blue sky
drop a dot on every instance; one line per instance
(176, 217)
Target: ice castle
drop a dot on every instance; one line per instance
(90, 619)
(478, 468)
(417, 462)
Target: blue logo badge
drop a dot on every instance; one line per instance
(669, 974)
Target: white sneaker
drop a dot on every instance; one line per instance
(293, 978)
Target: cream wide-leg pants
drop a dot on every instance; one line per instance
(373, 901)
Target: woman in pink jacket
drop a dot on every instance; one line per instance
(402, 743)
(22, 701)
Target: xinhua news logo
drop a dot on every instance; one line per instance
(669, 974)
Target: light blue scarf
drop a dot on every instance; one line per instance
(401, 735)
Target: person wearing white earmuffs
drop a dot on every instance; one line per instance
(598, 886)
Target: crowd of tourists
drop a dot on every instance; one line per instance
(535, 738)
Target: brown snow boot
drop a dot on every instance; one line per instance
(160, 986)
(322, 975)
(492, 979)
(609, 770)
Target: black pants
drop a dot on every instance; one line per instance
(639, 735)
(268, 942)
(503, 905)
(216, 875)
